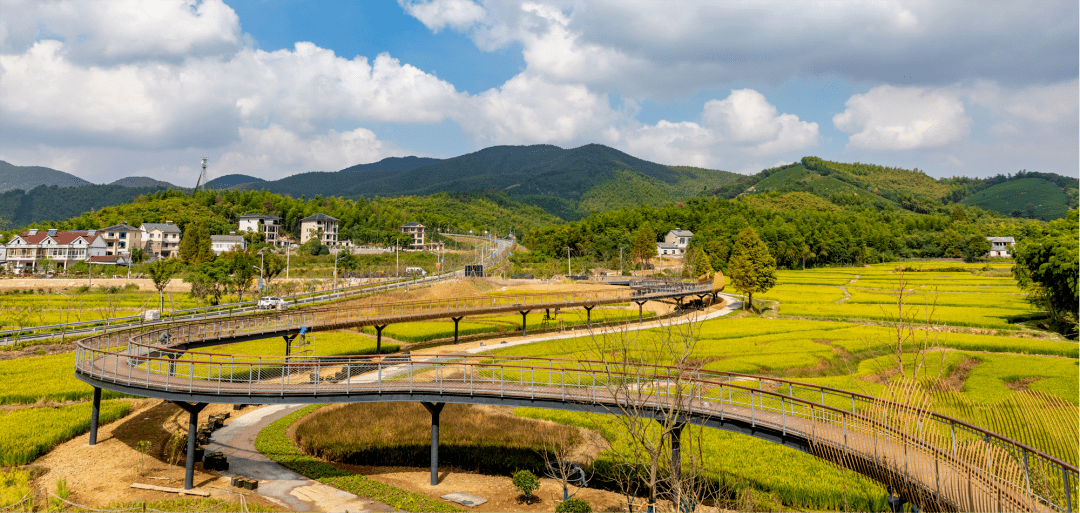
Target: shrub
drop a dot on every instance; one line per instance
(527, 482)
(573, 505)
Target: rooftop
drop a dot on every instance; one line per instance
(318, 217)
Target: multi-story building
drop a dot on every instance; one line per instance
(416, 231)
(675, 242)
(268, 225)
(223, 243)
(310, 225)
(27, 250)
(121, 239)
(161, 239)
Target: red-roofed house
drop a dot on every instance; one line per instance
(27, 249)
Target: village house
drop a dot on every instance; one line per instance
(1001, 246)
(311, 225)
(223, 243)
(268, 225)
(161, 239)
(27, 251)
(675, 242)
(416, 231)
(121, 239)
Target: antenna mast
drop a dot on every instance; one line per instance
(202, 177)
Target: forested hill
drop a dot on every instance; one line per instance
(1026, 194)
(27, 177)
(229, 181)
(53, 203)
(567, 183)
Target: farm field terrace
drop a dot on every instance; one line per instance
(79, 304)
(956, 295)
(986, 367)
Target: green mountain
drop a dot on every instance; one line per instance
(567, 183)
(54, 203)
(142, 181)
(27, 177)
(228, 181)
(1034, 195)
(1027, 197)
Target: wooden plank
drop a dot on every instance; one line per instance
(181, 491)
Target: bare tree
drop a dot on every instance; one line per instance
(649, 374)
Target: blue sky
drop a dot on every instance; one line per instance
(271, 88)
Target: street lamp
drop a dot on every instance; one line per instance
(336, 257)
(262, 261)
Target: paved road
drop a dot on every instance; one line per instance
(279, 484)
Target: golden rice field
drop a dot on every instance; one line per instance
(27, 433)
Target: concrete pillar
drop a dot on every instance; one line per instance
(435, 409)
(94, 415)
(193, 432)
(378, 339)
(676, 450)
(456, 320)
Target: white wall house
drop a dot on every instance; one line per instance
(27, 250)
(1001, 246)
(311, 225)
(268, 225)
(223, 243)
(675, 242)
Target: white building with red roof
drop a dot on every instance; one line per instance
(27, 250)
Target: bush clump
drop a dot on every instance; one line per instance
(573, 505)
(527, 482)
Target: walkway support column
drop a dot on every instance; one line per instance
(192, 433)
(435, 409)
(640, 304)
(456, 320)
(523, 313)
(94, 414)
(676, 450)
(588, 315)
(378, 338)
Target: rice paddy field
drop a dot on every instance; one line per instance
(22, 308)
(833, 330)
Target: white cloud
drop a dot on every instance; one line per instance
(438, 14)
(742, 127)
(110, 32)
(892, 118)
(640, 49)
(529, 110)
(275, 152)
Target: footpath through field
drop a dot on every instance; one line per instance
(236, 440)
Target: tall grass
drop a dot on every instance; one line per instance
(26, 434)
(26, 380)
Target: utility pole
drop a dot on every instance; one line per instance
(568, 272)
(288, 246)
(336, 257)
(397, 262)
(620, 261)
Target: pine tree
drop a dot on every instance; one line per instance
(752, 268)
(195, 246)
(644, 243)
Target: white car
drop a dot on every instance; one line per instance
(271, 302)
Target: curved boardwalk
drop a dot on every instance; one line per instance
(936, 462)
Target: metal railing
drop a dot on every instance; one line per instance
(961, 466)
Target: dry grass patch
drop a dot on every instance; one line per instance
(399, 434)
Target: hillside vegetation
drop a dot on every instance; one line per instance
(1028, 197)
(567, 183)
(867, 185)
(28, 177)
